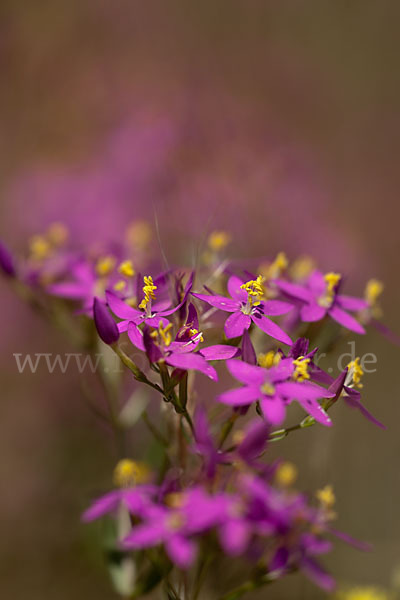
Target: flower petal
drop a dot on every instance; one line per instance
(181, 550)
(240, 396)
(120, 308)
(351, 303)
(102, 506)
(312, 312)
(218, 302)
(192, 361)
(234, 289)
(136, 336)
(343, 318)
(219, 352)
(302, 390)
(235, 324)
(293, 289)
(273, 409)
(271, 329)
(246, 373)
(274, 308)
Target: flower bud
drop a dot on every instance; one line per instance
(105, 324)
(6, 261)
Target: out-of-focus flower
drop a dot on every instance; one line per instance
(319, 296)
(274, 389)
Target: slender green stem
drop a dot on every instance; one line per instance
(154, 430)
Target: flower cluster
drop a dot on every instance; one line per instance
(215, 492)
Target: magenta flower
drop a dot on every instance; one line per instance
(246, 307)
(180, 353)
(319, 297)
(275, 388)
(136, 500)
(152, 313)
(195, 513)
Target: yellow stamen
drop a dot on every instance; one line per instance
(57, 234)
(286, 474)
(255, 290)
(218, 240)
(274, 269)
(120, 285)
(326, 497)
(268, 389)
(105, 265)
(364, 593)
(126, 268)
(148, 290)
(164, 333)
(195, 332)
(331, 280)
(270, 359)
(357, 372)
(373, 290)
(40, 248)
(301, 372)
(128, 473)
(302, 268)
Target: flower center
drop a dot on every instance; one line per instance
(270, 359)
(268, 389)
(301, 371)
(128, 473)
(105, 265)
(331, 281)
(255, 292)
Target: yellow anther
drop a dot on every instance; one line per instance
(270, 359)
(148, 290)
(302, 267)
(331, 281)
(128, 473)
(274, 269)
(126, 268)
(356, 371)
(364, 593)
(254, 289)
(164, 333)
(286, 474)
(301, 371)
(139, 234)
(105, 265)
(268, 388)
(326, 497)
(196, 332)
(218, 240)
(120, 285)
(40, 248)
(57, 234)
(373, 290)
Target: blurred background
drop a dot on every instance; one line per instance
(276, 121)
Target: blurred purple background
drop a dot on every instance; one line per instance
(278, 122)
